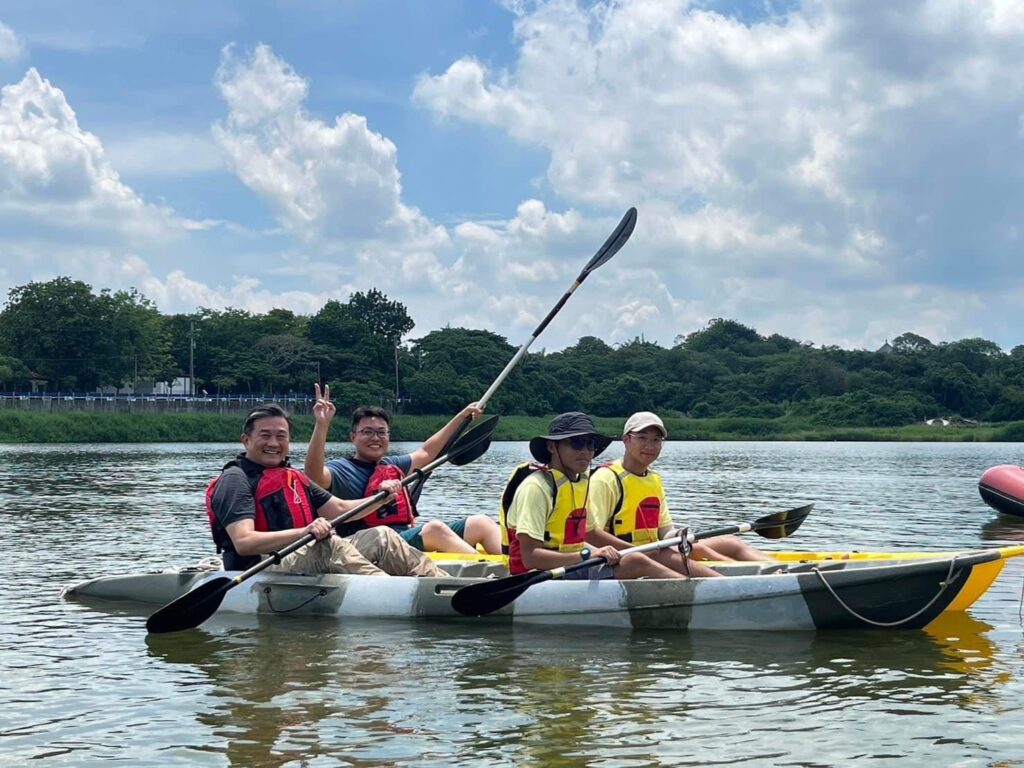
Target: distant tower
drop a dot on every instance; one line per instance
(885, 349)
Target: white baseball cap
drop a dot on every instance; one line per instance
(640, 421)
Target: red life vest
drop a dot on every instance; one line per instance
(281, 496)
(399, 512)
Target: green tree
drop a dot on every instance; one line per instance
(439, 390)
(54, 327)
(136, 339)
(76, 339)
(956, 388)
(977, 355)
(911, 343)
(624, 394)
(350, 350)
(385, 318)
(721, 334)
(13, 372)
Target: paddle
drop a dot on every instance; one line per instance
(193, 608)
(488, 596)
(611, 246)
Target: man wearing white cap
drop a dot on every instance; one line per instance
(545, 523)
(628, 507)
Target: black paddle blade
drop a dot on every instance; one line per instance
(474, 442)
(191, 609)
(611, 246)
(488, 596)
(781, 524)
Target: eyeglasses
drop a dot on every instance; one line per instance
(657, 440)
(582, 442)
(373, 433)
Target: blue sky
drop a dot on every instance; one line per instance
(838, 171)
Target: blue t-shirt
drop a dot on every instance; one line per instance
(349, 476)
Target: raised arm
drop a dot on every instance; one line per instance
(316, 458)
(434, 444)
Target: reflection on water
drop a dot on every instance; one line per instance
(1003, 529)
(553, 698)
(84, 685)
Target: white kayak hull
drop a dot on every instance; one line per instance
(830, 595)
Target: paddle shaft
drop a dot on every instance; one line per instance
(522, 350)
(510, 366)
(788, 521)
(656, 545)
(611, 246)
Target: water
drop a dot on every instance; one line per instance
(81, 686)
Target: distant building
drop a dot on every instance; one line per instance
(180, 386)
(885, 349)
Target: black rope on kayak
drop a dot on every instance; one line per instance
(268, 590)
(943, 586)
(1020, 608)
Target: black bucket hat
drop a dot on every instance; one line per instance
(564, 426)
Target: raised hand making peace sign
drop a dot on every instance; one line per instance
(323, 408)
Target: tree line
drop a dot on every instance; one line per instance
(65, 333)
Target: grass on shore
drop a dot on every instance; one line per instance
(98, 427)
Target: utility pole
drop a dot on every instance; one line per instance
(192, 358)
(397, 400)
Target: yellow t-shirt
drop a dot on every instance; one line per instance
(532, 505)
(604, 495)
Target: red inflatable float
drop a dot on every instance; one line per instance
(1002, 488)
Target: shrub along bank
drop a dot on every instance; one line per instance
(85, 427)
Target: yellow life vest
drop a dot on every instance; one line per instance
(638, 511)
(566, 528)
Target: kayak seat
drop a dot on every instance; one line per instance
(475, 570)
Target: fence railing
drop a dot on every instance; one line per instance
(150, 403)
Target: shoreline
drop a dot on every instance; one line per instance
(24, 427)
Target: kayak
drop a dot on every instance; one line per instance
(1002, 488)
(864, 590)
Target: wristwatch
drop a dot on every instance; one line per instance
(585, 553)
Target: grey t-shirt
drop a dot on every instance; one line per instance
(233, 500)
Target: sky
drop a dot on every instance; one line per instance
(836, 171)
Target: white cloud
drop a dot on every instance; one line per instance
(323, 181)
(55, 174)
(11, 47)
(835, 148)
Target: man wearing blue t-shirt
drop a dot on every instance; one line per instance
(357, 476)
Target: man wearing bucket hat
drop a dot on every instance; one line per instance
(628, 507)
(544, 516)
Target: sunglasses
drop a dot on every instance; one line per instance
(582, 442)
